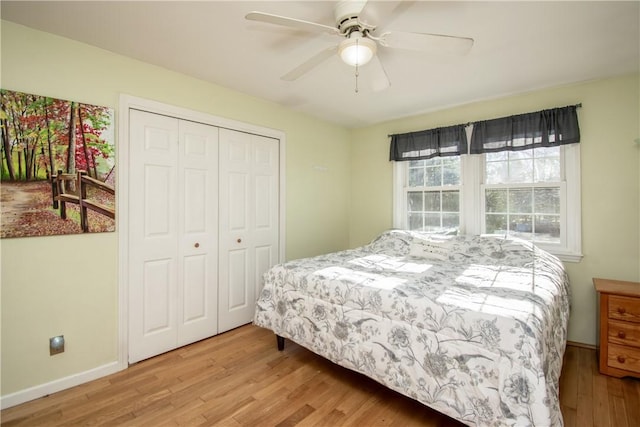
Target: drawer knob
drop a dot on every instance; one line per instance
(622, 335)
(197, 245)
(621, 310)
(621, 359)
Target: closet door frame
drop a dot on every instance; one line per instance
(126, 103)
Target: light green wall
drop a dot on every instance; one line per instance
(609, 124)
(68, 284)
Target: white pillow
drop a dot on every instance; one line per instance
(430, 249)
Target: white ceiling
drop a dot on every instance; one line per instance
(519, 47)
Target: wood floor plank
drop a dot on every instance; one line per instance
(618, 412)
(631, 392)
(584, 409)
(239, 379)
(569, 378)
(569, 416)
(295, 418)
(601, 406)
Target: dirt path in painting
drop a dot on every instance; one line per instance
(26, 211)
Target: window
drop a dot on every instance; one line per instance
(433, 194)
(530, 194)
(522, 194)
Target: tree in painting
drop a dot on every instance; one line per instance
(58, 166)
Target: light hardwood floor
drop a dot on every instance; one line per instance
(239, 379)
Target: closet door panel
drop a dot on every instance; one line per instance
(153, 235)
(236, 285)
(157, 289)
(198, 229)
(266, 206)
(158, 208)
(249, 221)
(238, 262)
(195, 289)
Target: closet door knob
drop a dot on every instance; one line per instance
(239, 240)
(197, 245)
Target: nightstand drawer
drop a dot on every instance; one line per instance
(624, 333)
(624, 308)
(621, 357)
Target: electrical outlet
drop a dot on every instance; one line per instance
(56, 345)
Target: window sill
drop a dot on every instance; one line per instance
(568, 257)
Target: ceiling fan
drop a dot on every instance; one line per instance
(360, 24)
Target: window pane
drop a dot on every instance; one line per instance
(520, 200)
(415, 221)
(451, 170)
(414, 201)
(450, 220)
(520, 171)
(547, 228)
(547, 170)
(432, 221)
(496, 172)
(416, 177)
(433, 176)
(451, 201)
(496, 200)
(416, 163)
(547, 200)
(520, 224)
(451, 175)
(496, 224)
(432, 201)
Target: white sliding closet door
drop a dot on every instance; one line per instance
(249, 222)
(173, 224)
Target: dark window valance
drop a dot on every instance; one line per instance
(444, 141)
(546, 128)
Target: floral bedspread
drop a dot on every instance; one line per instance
(474, 327)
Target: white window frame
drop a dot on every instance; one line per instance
(472, 200)
(435, 188)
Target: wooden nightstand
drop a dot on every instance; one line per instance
(619, 352)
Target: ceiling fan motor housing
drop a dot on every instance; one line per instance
(346, 15)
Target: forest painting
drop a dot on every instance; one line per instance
(58, 166)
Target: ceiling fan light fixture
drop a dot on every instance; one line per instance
(357, 50)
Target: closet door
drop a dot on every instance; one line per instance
(197, 310)
(249, 222)
(172, 233)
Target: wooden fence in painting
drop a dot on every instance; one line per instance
(62, 194)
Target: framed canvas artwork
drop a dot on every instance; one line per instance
(58, 166)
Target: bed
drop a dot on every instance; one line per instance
(474, 327)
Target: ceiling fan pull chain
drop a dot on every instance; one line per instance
(357, 66)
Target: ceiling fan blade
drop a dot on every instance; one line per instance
(291, 22)
(379, 78)
(309, 64)
(377, 14)
(425, 42)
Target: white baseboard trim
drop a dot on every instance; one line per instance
(41, 390)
